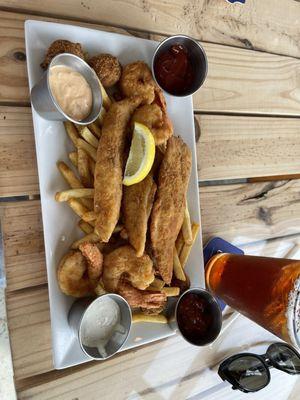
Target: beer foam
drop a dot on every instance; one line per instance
(293, 314)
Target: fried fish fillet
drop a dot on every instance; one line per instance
(109, 166)
(168, 210)
(137, 205)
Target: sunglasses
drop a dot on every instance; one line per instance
(249, 372)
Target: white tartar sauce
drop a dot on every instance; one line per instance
(99, 323)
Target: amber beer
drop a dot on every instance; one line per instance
(266, 290)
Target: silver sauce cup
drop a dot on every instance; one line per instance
(215, 311)
(76, 319)
(45, 103)
(197, 58)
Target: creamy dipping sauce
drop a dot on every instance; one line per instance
(100, 323)
(71, 91)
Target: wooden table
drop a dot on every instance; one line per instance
(248, 142)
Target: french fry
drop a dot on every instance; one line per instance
(69, 175)
(118, 228)
(87, 135)
(95, 129)
(85, 227)
(74, 182)
(106, 101)
(77, 207)
(101, 116)
(82, 144)
(71, 131)
(185, 252)
(66, 195)
(73, 156)
(186, 227)
(171, 291)
(83, 168)
(157, 284)
(179, 243)
(91, 237)
(178, 270)
(158, 319)
(89, 216)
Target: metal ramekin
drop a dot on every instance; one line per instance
(216, 313)
(81, 307)
(44, 102)
(198, 59)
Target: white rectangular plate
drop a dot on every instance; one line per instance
(52, 144)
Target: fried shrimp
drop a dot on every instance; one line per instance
(123, 263)
(61, 46)
(157, 120)
(107, 68)
(136, 80)
(79, 271)
(95, 260)
(146, 299)
(70, 275)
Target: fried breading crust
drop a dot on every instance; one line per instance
(137, 205)
(61, 46)
(168, 210)
(109, 166)
(107, 68)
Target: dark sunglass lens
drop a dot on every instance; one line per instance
(249, 372)
(285, 358)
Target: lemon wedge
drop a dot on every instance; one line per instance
(141, 155)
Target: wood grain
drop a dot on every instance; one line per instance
(238, 80)
(29, 330)
(228, 147)
(244, 147)
(23, 242)
(18, 169)
(250, 212)
(261, 25)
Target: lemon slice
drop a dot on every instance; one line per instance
(141, 155)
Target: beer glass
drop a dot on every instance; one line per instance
(266, 290)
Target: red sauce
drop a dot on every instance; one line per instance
(173, 70)
(194, 317)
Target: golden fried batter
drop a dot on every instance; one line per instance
(107, 68)
(109, 166)
(137, 205)
(157, 120)
(146, 299)
(168, 210)
(123, 262)
(59, 47)
(137, 80)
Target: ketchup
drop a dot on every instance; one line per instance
(194, 317)
(173, 70)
